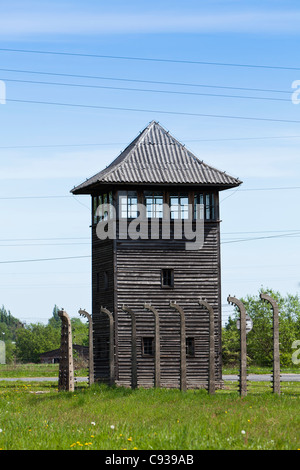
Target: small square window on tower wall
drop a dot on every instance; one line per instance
(148, 346)
(167, 277)
(190, 347)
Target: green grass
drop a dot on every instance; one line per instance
(33, 370)
(100, 417)
(261, 370)
(51, 370)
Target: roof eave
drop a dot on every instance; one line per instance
(89, 189)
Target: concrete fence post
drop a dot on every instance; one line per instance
(66, 365)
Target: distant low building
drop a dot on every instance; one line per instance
(53, 357)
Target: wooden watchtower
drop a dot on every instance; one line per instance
(131, 270)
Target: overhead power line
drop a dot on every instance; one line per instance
(42, 259)
(125, 143)
(143, 90)
(155, 111)
(289, 235)
(280, 188)
(153, 82)
(152, 59)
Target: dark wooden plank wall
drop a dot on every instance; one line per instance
(196, 274)
(102, 261)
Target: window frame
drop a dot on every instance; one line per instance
(206, 206)
(126, 208)
(182, 208)
(170, 275)
(104, 199)
(146, 339)
(190, 347)
(155, 208)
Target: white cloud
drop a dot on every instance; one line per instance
(84, 23)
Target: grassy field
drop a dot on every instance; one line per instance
(37, 416)
(51, 370)
(33, 370)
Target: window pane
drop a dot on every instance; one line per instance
(147, 345)
(179, 205)
(184, 203)
(132, 206)
(110, 200)
(190, 347)
(207, 211)
(95, 209)
(207, 207)
(154, 204)
(123, 206)
(174, 206)
(198, 207)
(212, 206)
(167, 278)
(127, 204)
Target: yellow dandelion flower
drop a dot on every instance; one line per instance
(129, 439)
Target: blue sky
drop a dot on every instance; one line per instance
(203, 50)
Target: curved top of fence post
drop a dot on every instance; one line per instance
(206, 305)
(127, 309)
(152, 309)
(84, 313)
(237, 302)
(64, 316)
(269, 299)
(108, 313)
(178, 308)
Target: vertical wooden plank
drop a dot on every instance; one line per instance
(126, 309)
(157, 344)
(243, 344)
(211, 376)
(276, 356)
(182, 346)
(111, 345)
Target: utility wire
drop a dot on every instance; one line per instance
(154, 82)
(289, 235)
(36, 82)
(154, 111)
(151, 59)
(234, 189)
(89, 256)
(42, 259)
(88, 238)
(125, 143)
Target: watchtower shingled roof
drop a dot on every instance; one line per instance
(156, 157)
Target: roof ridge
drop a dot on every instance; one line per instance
(156, 156)
(133, 144)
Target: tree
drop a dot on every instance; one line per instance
(55, 320)
(35, 339)
(8, 324)
(80, 332)
(260, 338)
